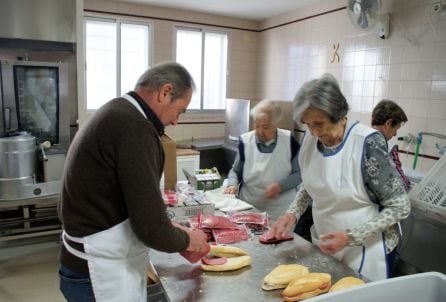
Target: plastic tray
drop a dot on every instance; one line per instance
(430, 194)
(425, 287)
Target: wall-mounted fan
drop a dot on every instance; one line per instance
(366, 13)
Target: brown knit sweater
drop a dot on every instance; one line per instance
(112, 172)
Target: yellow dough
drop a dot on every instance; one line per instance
(226, 251)
(282, 275)
(346, 282)
(306, 286)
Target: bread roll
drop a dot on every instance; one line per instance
(282, 274)
(346, 282)
(231, 264)
(226, 251)
(306, 286)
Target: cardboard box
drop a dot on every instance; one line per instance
(170, 163)
(208, 179)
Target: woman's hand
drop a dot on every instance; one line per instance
(230, 190)
(333, 242)
(284, 226)
(272, 190)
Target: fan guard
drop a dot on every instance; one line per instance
(364, 13)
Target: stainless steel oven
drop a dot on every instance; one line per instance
(33, 98)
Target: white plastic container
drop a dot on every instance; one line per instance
(425, 287)
(430, 194)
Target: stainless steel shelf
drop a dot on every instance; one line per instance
(31, 217)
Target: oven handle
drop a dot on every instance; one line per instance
(7, 117)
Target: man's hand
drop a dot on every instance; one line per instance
(272, 190)
(197, 240)
(284, 226)
(333, 242)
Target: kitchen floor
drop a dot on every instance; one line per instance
(28, 270)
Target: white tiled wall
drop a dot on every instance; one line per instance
(409, 67)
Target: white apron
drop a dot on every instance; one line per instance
(117, 259)
(117, 263)
(262, 169)
(340, 200)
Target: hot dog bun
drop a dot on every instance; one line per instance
(282, 274)
(346, 282)
(307, 286)
(231, 264)
(226, 251)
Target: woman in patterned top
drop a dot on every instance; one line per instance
(358, 197)
(388, 117)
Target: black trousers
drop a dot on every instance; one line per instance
(304, 224)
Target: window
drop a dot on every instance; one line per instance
(204, 54)
(117, 53)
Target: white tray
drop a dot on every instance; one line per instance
(430, 194)
(424, 287)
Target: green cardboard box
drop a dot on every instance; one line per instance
(205, 179)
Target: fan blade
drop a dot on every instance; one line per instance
(362, 20)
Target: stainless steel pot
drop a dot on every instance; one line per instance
(17, 162)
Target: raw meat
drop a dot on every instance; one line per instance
(214, 261)
(212, 222)
(268, 238)
(226, 236)
(248, 217)
(193, 257)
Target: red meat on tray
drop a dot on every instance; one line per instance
(227, 236)
(268, 238)
(212, 222)
(214, 261)
(248, 217)
(193, 257)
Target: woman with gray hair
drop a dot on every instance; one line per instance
(358, 197)
(265, 172)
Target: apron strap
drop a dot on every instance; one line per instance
(86, 256)
(72, 238)
(72, 250)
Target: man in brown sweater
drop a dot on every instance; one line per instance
(111, 205)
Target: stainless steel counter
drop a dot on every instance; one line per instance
(183, 281)
(201, 144)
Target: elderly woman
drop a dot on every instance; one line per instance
(265, 172)
(358, 197)
(388, 117)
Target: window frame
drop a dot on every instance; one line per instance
(204, 30)
(118, 22)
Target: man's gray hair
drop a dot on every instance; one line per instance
(167, 73)
(267, 108)
(323, 94)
